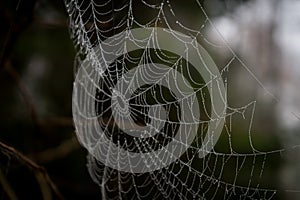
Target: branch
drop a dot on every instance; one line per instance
(31, 165)
(23, 90)
(18, 16)
(56, 121)
(60, 151)
(6, 187)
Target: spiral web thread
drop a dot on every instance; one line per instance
(223, 173)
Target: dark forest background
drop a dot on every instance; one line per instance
(40, 157)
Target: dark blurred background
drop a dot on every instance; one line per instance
(36, 77)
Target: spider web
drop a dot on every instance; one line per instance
(122, 109)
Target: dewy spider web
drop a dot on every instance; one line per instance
(149, 105)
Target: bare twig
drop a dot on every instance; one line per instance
(23, 90)
(56, 121)
(60, 151)
(44, 186)
(31, 165)
(6, 187)
(49, 23)
(18, 19)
